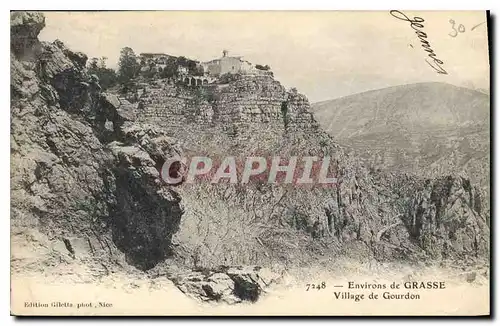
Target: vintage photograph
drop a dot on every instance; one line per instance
(229, 163)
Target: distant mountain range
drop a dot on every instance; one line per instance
(407, 108)
(428, 129)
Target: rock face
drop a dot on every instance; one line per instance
(60, 179)
(444, 217)
(66, 180)
(244, 105)
(146, 214)
(26, 26)
(85, 174)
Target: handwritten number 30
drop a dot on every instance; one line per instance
(461, 28)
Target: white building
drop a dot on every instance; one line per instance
(227, 64)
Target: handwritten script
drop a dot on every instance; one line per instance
(416, 24)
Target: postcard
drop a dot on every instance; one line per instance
(277, 163)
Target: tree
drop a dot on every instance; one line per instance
(182, 61)
(102, 62)
(93, 65)
(192, 67)
(199, 71)
(128, 68)
(107, 77)
(170, 69)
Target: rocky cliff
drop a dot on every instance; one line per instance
(86, 186)
(66, 181)
(86, 189)
(363, 216)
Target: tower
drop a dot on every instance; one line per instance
(224, 53)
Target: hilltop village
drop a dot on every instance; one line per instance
(196, 73)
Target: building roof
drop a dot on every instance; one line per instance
(219, 59)
(233, 57)
(154, 55)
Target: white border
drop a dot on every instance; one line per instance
(254, 5)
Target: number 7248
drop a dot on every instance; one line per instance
(316, 286)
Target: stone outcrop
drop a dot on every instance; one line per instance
(146, 214)
(444, 218)
(25, 26)
(225, 284)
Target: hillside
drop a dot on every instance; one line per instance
(427, 129)
(404, 109)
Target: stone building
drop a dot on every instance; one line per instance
(227, 64)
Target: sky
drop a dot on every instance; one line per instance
(325, 55)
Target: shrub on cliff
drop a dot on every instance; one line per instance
(107, 76)
(261, 67)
